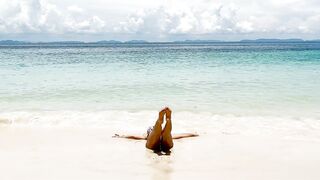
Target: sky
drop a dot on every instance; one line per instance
(158, 20)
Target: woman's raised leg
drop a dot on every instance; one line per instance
(167, 142)
(153, 140)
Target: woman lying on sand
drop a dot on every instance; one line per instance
(159, 139)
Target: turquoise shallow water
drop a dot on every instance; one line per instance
(220, 78)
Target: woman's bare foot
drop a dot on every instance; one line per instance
(161, 115)
(168, 114)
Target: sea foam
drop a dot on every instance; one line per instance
(138, 122)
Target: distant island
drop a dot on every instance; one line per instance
(273, 40)
(14, 42)
(199, 41)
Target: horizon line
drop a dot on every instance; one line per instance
(10, 41)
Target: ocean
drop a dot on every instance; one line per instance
(94, 84)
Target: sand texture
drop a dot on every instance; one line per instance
(91, 153)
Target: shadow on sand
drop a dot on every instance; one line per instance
(162, 153)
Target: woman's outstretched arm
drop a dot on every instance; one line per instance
(135, 137)
(184, 135)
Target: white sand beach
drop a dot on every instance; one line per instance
(91, 153)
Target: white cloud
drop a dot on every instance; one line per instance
(39, 16)
(75, 9)
(158, 19)
(228, 17)
(181, 21)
